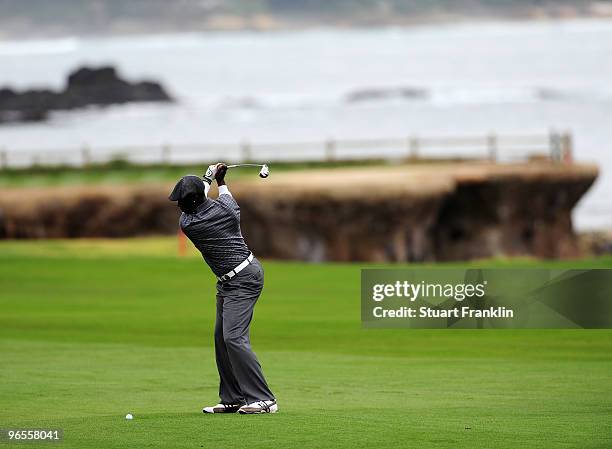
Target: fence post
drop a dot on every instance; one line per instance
(330, 150)
(165, 154)
(492, 147)
(567, 148)
(555, 146)
(413, 144)
(86, 154)
(246, 151)
(3, 159)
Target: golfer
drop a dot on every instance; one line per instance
(213, 226)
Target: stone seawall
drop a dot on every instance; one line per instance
(402, 213)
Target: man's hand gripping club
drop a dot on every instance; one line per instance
(215, 172)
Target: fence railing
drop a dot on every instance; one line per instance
(553, 146)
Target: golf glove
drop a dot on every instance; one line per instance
(211, 171)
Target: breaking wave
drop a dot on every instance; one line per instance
(39, 47)
(434, 96)
(472, 95)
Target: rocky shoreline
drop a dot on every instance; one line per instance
(84, 87)
(596, 243)
(436, 212)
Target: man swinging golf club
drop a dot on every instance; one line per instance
(213, 226)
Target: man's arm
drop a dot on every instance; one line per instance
(209, 176)
(216, 172)
(220, 177)
(225, 197)
(224, 190)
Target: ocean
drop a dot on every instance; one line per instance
(310, 85)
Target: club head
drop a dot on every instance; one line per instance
(264, 172)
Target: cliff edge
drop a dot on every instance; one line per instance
(420, 212)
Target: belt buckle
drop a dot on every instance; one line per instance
(227, 276)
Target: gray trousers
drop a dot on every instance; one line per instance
(241, 378)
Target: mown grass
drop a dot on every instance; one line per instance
(121, 172)
(92, 330)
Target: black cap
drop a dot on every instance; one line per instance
(190, 184)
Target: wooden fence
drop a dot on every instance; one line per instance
(502, 148)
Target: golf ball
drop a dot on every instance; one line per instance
(129, 416)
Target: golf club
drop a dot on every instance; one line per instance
(263, 173)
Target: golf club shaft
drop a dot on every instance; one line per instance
(245, 165)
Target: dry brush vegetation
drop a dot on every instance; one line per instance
(402, 213)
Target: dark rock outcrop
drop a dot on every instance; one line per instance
(377, 94)
(85, 87)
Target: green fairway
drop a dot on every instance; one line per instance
(90, 331)
(122, 172)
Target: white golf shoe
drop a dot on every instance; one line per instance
(255, 408)
(222, 408)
